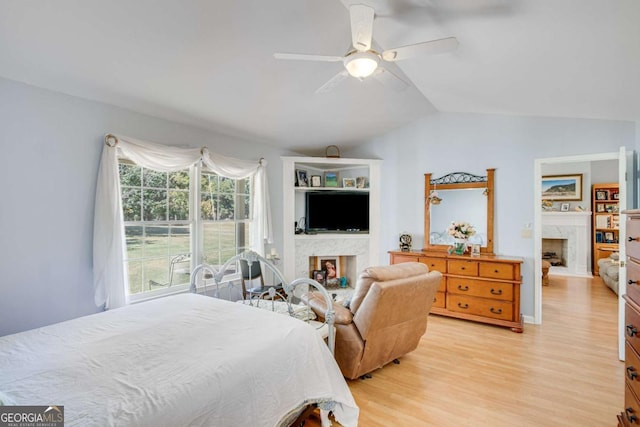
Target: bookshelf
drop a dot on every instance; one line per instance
(606, 221)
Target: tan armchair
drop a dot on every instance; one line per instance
(386, 318)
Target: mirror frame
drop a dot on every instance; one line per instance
(458, 181)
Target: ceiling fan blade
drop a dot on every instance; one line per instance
(333, 82)
(431, 47)
(361, 26)
(305, 57)
(389, 79)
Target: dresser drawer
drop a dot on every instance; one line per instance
(480, 288)
(480, 306)
(497, 270)
(633, 232)
(439, 300)
(632, 327)
(435, 264)
(397, 258)
(632, 368)
(631, 412)
(633, 281)
(462, 267)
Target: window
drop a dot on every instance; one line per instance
(164, 238)
(225, 214)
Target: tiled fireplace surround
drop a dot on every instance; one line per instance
(576, 229)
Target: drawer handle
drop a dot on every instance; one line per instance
(463, 288)
(631, 373)
(461, 268)
(632, 282)
(632, 239)
(434, 300)
(496, 271)
(463, 305)
(495, 310)
(631, 331)
(496, 292)
(628, 413)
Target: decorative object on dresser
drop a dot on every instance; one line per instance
(405, 242)
(605, 222)
(631, 413)
(483, 289)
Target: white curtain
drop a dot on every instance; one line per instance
(110, 280)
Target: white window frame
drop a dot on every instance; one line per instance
(196, 235)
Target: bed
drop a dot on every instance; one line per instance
(182, 360)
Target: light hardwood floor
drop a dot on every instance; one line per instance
(561, 373)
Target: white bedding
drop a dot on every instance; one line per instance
(184, 360)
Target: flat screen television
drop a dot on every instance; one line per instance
(336, 212)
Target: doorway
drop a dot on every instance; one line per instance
(624, 160)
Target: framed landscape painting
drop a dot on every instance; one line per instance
(562, 187)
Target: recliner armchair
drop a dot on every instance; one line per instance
(386, 317)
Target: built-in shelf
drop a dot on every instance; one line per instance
(358, 250)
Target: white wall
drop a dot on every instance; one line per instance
(50, 146)
(448, 142)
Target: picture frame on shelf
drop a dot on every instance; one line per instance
(600, 207)
(615, 195)
(316, 181)
(349, 182)
(608, 237)
(301, 178)
(331, 179)
(319, 276)
(361, 182)
(330, 265)
(602, 194)
(564, 207)
(562, 187)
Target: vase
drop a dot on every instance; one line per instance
(459, 246)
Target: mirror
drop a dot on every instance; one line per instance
(461, 197)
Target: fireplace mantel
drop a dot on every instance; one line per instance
(576, 228)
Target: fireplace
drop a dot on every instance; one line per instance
(555, 251)
(568, 236)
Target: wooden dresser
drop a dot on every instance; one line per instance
(631, 414)
(484, 288)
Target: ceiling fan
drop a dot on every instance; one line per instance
(362, 61)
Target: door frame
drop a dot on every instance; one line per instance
(625, 178)
(537, 207)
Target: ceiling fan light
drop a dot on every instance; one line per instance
(361, 64)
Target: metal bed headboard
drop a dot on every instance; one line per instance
(251, 257)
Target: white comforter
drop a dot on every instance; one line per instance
(184, 360)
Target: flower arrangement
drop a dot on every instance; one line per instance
(461, 230)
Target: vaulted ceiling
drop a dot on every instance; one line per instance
(210, 63)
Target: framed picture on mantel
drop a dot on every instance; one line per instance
(562, 187)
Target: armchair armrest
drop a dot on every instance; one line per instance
(319, 306)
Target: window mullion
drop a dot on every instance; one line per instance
(195, 215)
